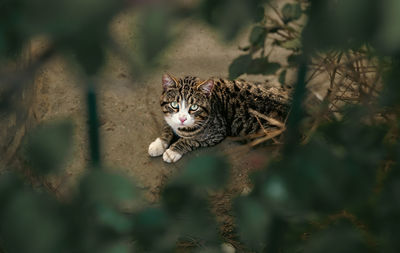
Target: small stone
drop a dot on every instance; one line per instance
(227, 248)
(246, 191)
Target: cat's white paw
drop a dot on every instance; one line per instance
(171, 156)
(157, 147)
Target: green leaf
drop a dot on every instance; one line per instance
(149, 225)
(111, 218)
(294, 44)
(64, 20)
(107, 188)
(89, 55)
(196, 220)
(9, 185)
(388, 208)
(207, 171)
(276, 193)
(239, 66)
(48, 147)
(175, 197)
(258, 35)
(235, 15)
(154, 33)
(230, 16)
(32, 223)
(291, 12)
(341, 24)
(253, 221)
(103, 196)
(259, 14)
(74, 27)
(118, 247)
(320, 175)
(11, 38)
(350, 240)
(389, 32)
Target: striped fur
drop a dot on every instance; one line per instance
(222, 110)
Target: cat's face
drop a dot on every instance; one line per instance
(186, 103)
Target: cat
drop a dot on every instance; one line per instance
(201, 113)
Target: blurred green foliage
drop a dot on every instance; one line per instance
(230, 16)
(348, 164)
(48, 147)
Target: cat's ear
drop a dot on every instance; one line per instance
(168, 81)
(206, 86)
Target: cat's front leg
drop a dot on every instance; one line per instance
(179, 148)
(183, 146)
(158, 147)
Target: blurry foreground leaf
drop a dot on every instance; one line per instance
(327, 177)
(294, 44)
(253, 222)
(48, 146)
(63, 20)
(231, 15)
(175, 197)
(390, 95)
(319, 176)
(9, 185)
(149, 226)
(80, 28)
(340, 24)
(102, 187)
(388, 212)
(206, 171)
(191, 212)
(186, 198)
(277, 195)
(11, 39)
(110, 217)
(154, 33)
(338, 238)
(103, 200)
(389, 30)
(120, 247)
(32, 223)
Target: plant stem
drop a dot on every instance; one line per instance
(293, 133)
(93, 126)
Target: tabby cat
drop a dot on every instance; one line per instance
(203, 113)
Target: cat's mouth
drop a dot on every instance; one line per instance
(187, 129)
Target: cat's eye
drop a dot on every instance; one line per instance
(174, 105)
(194, 107)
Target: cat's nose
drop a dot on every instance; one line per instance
(182, 119)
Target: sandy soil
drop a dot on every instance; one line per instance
(131, 118)
(129, 110)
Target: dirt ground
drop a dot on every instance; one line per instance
(129, 110)
(131, 118)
